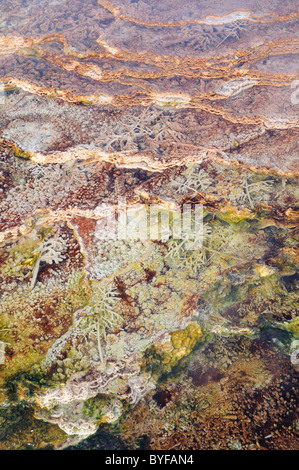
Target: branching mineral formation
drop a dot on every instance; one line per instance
(149, 224)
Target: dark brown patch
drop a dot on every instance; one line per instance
(201, 378)
(149, 274)
(121, 287)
